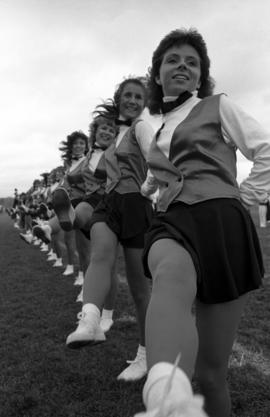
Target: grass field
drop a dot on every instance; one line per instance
(40, 377)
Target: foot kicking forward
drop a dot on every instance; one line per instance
(63, 209)
(168, 393)
(43, 233)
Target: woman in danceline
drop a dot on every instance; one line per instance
(93, 176)
(74, 150)
(202, 246)
(122, 216)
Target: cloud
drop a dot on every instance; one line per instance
(63, 57)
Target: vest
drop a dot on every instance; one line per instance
(201, 166)
(94, 181)
(74, 182)
(125, 165)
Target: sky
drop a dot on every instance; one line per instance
(61, 58)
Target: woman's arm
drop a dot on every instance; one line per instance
(253, 141)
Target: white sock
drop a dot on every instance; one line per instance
(93, 311)
(48, 227)
(157, 379)
(141, 352)
(107, 314)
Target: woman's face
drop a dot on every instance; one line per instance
(180, 70)
(105, 135)
(132, 101)
(78, 147)
(58, 175)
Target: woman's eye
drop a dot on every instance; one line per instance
(192, 63)
(171, 60)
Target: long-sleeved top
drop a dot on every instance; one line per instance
(239, 130)
(126, 158)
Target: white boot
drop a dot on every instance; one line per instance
(79, 279)
(168, 393)
(69, 270)
(37, 242)
(137, 368)
(58, 262)
(106, 321)
(79, 299)
(44, 247)
(28, 238)
(88, 330)
(52, 257)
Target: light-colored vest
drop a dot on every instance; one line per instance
(125, 165)
(201, 166)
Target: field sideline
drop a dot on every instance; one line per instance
(40, 377)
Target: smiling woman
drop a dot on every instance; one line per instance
(122, 216)
(202, 245)
(180, 70)
(132, 101)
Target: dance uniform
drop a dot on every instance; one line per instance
(73, 181)
(193, 160)
(94, 176)
(126, 212)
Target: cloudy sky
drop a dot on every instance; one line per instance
(60, 58)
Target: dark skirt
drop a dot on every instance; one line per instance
(75, 202)
(127, 215)
(93, 199)
(222, 240)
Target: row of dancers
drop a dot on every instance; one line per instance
(195, 240)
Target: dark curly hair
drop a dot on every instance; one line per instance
(66, 146)
(175, 38)
(100, 119)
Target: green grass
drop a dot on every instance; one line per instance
(39, 376)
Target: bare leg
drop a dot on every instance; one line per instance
(262, 215)
(139, 286)
(83, 214)
(69, 239)
(28, 222)
(97, 281)
(83, 248)
(170, 325)
(54, 225)
(217, 325)
(112, 294)
(57, 244)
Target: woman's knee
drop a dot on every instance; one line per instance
(174, 279)
(171, 260)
